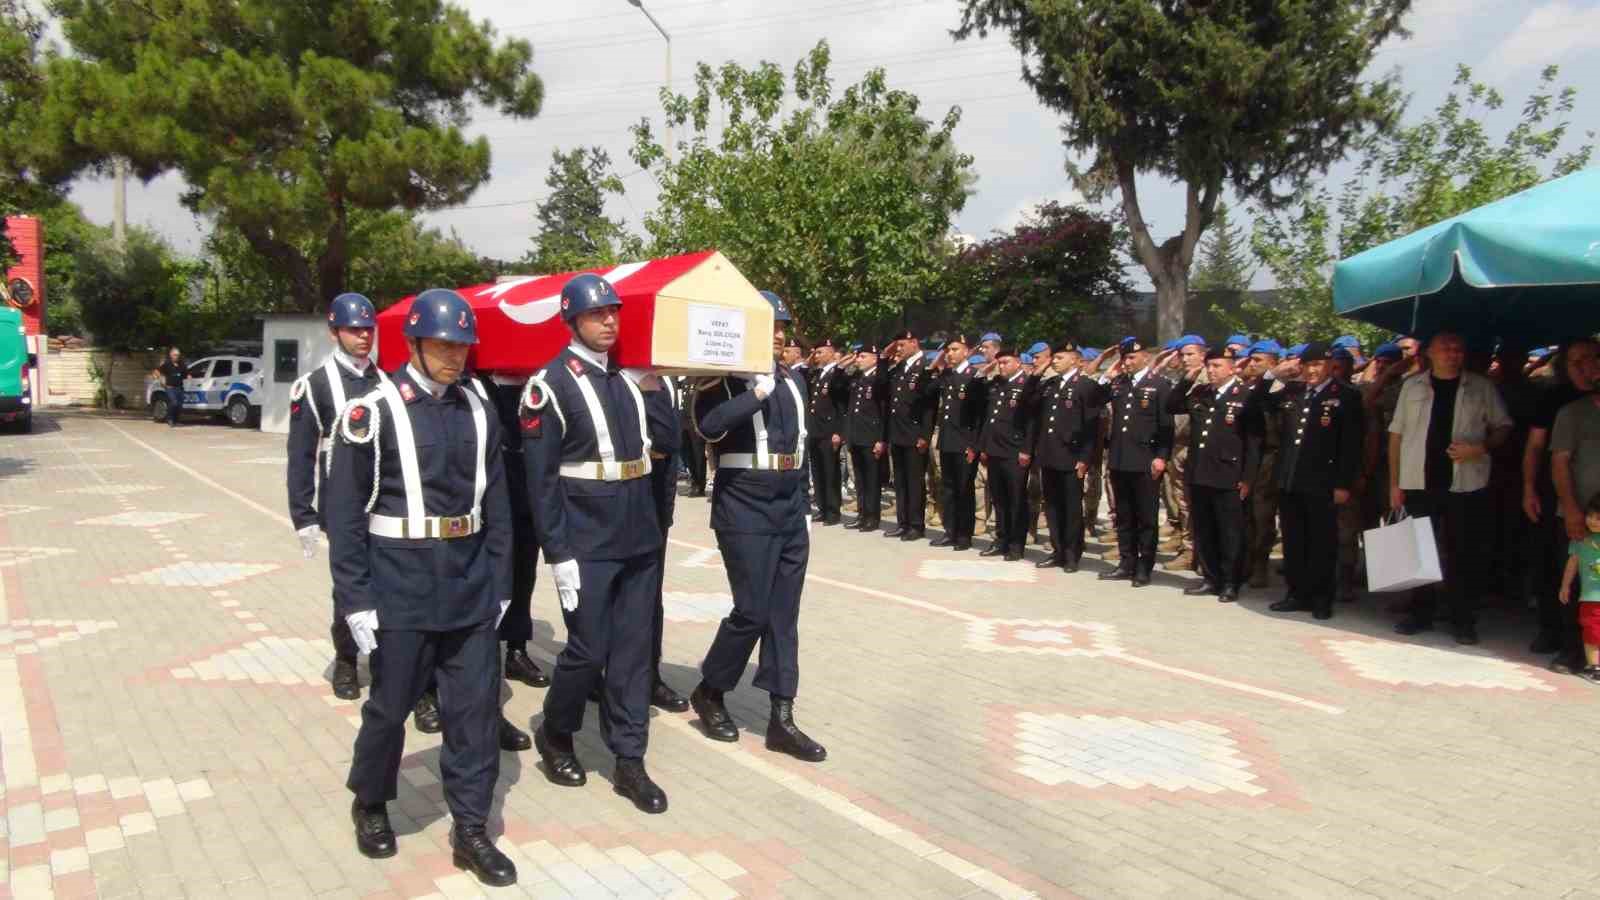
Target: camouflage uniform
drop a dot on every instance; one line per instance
(1263, 522)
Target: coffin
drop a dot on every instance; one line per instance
(690, 314)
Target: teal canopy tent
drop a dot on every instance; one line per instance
(1524, 269)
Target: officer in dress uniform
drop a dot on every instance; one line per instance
(829, 388)
(1137, 452)
(759, 506)
(1064, 431)
(1003, 447)
(1261, 530)
(586, 440)
(962, 401)
(1225, 434)
(864, 431)
(315, 401)
(420, 529)
(910, 428)
(663, 408)
(1319, 459)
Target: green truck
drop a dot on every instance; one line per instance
(16, 369)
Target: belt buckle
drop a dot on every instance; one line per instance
(633, 468)
(785, 462)
(454, 526)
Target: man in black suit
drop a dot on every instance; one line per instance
(828, 386)
(1064, 430)
(1137, 451)
(1003, 445)
(864, 432)
(962, 400)
(910, 430)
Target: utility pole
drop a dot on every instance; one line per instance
(668, 38)
(119, 216)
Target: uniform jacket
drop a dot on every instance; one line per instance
(666, 437)
(962, 404)
(1066, 423)
(311, 420)
(869, 405)
(1226, 431)
(1006, 428)
(418, 585)
(755, 501)
(829, 401)
(505, 399)
(912, 391)
(1319, 444)
(578, 518)
(1141, 423)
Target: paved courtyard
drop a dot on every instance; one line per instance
(167, 728)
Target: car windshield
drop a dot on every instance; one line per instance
(198, 370)
(223, 369)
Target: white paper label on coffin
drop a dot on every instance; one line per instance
(542, 310)
(1402, 556)
(716, 335)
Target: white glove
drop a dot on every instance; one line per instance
(308, 540)
(364, 628)
(763, 385)
(504, 605)
(568, 581)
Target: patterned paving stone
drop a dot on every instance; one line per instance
(1401, 664)
(110, 490)
(975, 570)
(16, 556)
(196, 574)
(142, 519)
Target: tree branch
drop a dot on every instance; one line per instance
(292, 261)
(1143, 245)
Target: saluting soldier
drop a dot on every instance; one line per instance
(420, 529)
(586, 438)
(759, 506)
(1065, 430)
(829, 389)
(1003, 447)
(315, 401)
(864, 430)
(910, 428)
(962, 404)
(1140, 443)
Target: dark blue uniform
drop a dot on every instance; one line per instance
(612, 529)
(1065, 428)
(662, 408)
(963, 399)
(910, 430)
(759, 515)
(1226, 431)
(1319, 451)
(825, 419)
(436, 599)
(517, 624)
(865, 427)
(1141, 432)
(1003, 438)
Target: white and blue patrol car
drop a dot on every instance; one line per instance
(230, 385)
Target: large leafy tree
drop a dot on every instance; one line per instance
(135, 295)
(1254, 95)
(574, 230)
(286, 119)
(841, 204)
(22, 86)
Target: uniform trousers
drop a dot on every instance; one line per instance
(344, 643)
(1008, 484)
(1263, 519)
(466, 665)
(608, 637)
(1061, 495)
(517, 625)
(1310, 528)
(766, 573)
(826, 486)
(910, 472)
(694, 460)
(1461, 528)
(958, 494)
(869, 488)
(658, 622)
(1138, 502)
(1217, 518)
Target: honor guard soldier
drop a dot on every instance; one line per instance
(420, 529)
(910, 428)
(1226, 430)
(864, 430)
(1003, 446)
(315, 401)
(1065, 430)
(1137, 452)
(759, 507)
(586, 441)
(962, 400)
(663, 404)
(1319, 457)
(829, 388)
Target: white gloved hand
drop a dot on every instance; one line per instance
(568, 581)
(764, 385)
(308, 540)
(364, 629)
(504, 605)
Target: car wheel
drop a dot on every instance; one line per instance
(238, 412)
(158, 408)
(25, 424)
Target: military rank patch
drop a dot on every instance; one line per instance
(294, 410)
(406, 392)
(575, 366)
(532, 423)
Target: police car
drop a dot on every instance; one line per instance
(230, 385)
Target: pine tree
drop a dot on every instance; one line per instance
(1224, 265)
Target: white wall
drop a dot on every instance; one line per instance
(310, 334)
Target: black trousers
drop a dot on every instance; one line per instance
(958, 494)
(658, 622)
(1008, 486)
(344, 643)
(826, 486)
(869, 488)
(1138, 502)
(1061, 495)
(1556, 619)
(467, 666)
(1461, 528)
(1217, 517)
(910, 493)
(766, 573)
(609, 637)
(694, 459)
(1310, 535)
(517, 625)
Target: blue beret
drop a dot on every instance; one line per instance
(1026, 358)
(1236, 339)
(990, 336)
(1346, 341)
(1242, 353)
(1540, 353)
(1039, 348)
(1189, 340)
(977, 359)
(1266, 345)
(855, 346)
(1389, 351)
(932, 355)
(1342, 353)
(1089, 353)
(1129, 344)
(1296, 350)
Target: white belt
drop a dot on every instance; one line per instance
(775, 462)
(441, 527)
(627, 470)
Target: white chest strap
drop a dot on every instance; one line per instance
(411, 470)
(602, 431)
(335, 383)
(759, 423)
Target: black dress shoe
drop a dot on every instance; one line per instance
(1467, 634)
(1200, 590)
(561, 764)
(345, 684)
(1014, 554)
(1228, 594)
(783, 736)
(914, 534)
(961, 546)
(1322, 613)
(1141, 579)
(1289, 604)
(833, 519)
(472, 850)
(633, 782)
(668, 699)
(1070, 564)
(374, 835)
(426, 714)
(995, 549)
(512, 738)
(520, 667)
(946, 541)
(713, 715)
(895, 532)
(1119, 572)
(1048, 562)
(1412, 626)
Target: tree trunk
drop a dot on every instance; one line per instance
(111, 369)
(302, 285)
(332, 265)
(1168, 263)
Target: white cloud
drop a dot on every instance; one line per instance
(1548, 34)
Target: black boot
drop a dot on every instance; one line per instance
(895, 532)
(512, 738)
(784, 736)
(713, 715)
(633, 782)
(374, 835)
(345, 684)
(945, 541)
(666, 698)
(561, 764)
(1070, 563)
(1228, 594)
(1049, 562)
(426, 714)
(472, 850)
(520, 667)
(1117, 574)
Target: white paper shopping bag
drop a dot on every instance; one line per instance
(1402, 555)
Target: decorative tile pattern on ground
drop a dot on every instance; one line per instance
(196, 574)
(141, 519)
(1401, 664)
(975, 570)
(16, 556)
(1062, 637)
(270, 659)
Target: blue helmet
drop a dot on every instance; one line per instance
(780, 310)
(584, 293)
(443, 315)
(351, 311)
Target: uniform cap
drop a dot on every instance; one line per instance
(1540, 353)
(990, 336)
(1026, 358)
(1346, 342)
(1067, 345)
(825, 342)
(442, 315)
(1266, 345)
(585, 292)
(1314, 351)
(1004, 352)
(792, 342)
(1296, 351)
(1040, 347)
(1342, 353)
(1128, 345)
(780, 310)
(1388, 351)
(867, 347)
(961, 339)
(1089, 353)
(1217, 353)
(904, 335)
(351, 311)
(1241, 339)
(977, 359)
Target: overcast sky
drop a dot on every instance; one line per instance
(602, 64)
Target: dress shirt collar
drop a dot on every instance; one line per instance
(602, 361)
(435, 388)
(358, 366)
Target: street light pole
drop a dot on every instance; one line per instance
(668, 38)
